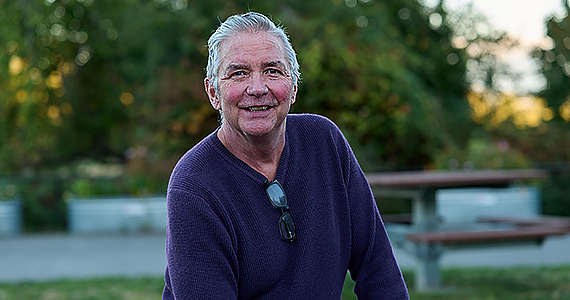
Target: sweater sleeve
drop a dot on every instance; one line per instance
(372, 264)
(201, 261)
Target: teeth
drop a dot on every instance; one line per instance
(258, 108)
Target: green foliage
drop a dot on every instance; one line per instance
(41, 200)
(130, 184)
(551, 143)
(87, 187)
(95, 78)
(555, 63)
(8, 190)
(381, 73)
(556, 194)
(481, 153)
(43, 209)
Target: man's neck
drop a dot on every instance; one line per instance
(262, 153)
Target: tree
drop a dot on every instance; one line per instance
(552, 147)
(387, 76)
(101, 79)
(555, 66)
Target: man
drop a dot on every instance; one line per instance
(271, 205)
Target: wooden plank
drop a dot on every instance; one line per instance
(540, 221)
(465, 237)
(403, 218)
(445, 179)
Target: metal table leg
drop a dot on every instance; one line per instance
(425, 219)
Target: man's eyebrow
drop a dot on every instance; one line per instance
(276, 63)
(232, 67)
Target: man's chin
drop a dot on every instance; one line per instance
(258, 130)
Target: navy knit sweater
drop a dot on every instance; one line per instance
(223, 239)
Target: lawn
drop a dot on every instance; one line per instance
(464, 284)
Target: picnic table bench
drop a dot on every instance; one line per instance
(526, 233)
(423, 233)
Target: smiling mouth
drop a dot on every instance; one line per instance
(258, 108)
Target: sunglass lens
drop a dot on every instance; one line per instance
(287, 226)
(276, 194)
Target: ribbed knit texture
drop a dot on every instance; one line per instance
(223, 239)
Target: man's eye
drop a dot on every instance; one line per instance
(238, 74)
(273, 72)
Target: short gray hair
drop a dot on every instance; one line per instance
(251, 23)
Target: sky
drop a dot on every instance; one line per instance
(523, 19)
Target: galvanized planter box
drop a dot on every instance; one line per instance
(117, 214)
(10, 217)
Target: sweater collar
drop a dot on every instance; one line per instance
(245, 168)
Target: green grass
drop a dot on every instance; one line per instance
(85, 289)
(459, 284)
(492, 284)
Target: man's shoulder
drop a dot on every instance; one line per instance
(314, 131)
(312, 121)
(196, 162)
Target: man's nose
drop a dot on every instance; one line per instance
(257, 86)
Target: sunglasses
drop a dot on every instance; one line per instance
(278, 199)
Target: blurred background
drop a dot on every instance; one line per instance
(102, 97)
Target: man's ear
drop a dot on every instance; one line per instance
(294, 97)
(212, 94)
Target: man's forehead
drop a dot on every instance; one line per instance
(250, 38)
(247, 48)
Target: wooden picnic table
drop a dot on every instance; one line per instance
(448, 179)
(420, 187)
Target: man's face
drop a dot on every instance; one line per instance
(256, 87)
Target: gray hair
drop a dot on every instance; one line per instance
(251, 23)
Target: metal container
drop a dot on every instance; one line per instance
(10, 217)
(117, 214)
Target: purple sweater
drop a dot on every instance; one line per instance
(223, 239)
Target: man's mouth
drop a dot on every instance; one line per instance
(258, 108)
